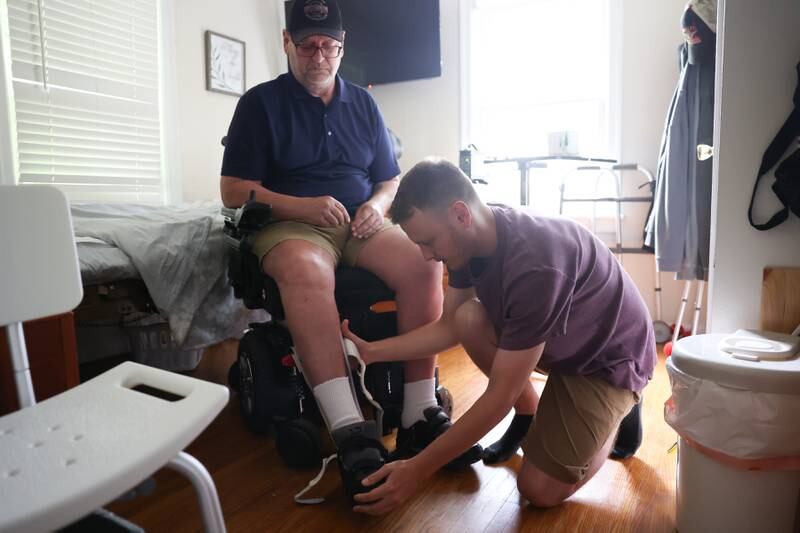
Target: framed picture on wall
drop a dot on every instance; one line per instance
(225, 64)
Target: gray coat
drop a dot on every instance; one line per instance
(679, 224)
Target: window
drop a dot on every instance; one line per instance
(86, 97)
(536, 67)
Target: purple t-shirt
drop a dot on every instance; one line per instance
(551, 280)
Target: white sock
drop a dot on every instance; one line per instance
(417, 397)
(335, 400)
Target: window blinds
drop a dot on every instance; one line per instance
(86, 91)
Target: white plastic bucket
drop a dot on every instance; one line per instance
(738, 417)
(713, 497)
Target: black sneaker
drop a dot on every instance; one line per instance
(629, 437)
(360, 453)
(413, 440)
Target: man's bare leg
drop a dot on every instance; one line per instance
(477, 336)
(418, 292)
(418, 289)
(305, 276)
(304, 273)
(543, 490)
(479, 339)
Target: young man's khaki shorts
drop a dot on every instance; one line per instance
(336, 240)
(575, 417)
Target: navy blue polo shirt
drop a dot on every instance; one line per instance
(294, 144)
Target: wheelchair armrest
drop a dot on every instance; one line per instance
(244, 271)
(244, 221)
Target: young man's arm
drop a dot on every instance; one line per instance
(510, 373)
(420, 343)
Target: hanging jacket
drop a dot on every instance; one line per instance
(679, 224)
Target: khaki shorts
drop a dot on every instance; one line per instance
(575, 417)
(336, 240)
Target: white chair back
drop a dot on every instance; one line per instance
(39, 273)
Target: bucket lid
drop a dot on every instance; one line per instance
(750, 360)
(751, 345)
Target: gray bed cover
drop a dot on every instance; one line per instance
(179, 253)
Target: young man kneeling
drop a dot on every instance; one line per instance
(525, 292)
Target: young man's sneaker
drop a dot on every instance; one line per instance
(629, 437)
(360, 453)
(413, 440)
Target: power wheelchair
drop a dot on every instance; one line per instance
(273, 395)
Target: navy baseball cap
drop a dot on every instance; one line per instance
(315, 17)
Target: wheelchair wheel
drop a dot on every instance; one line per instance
(234, 377)
(251, 375)
(445, 399)
(299, 443)
(269, 390)
(248, 373)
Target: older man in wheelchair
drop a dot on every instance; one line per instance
(299, 258)
(314, 147)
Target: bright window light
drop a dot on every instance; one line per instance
(536, 67)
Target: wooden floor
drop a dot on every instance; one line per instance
(256, 490)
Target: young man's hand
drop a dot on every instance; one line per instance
(364, 347)
(400, 481)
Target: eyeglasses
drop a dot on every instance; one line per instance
(310, 50)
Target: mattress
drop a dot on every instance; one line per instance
(101, 262)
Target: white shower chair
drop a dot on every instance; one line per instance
(67, 456)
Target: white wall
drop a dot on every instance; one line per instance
(204, 116)
(651, 34)
(756, 78)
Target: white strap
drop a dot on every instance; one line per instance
(311, 484)
(350, 350)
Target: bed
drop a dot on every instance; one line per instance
(155, 283)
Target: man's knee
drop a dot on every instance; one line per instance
(540, 489)
(539, 496)
(297, 264)
(419, 276)
(429, 271)
(471, 319)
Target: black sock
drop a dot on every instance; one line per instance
(629, 437)
(509, 443)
